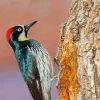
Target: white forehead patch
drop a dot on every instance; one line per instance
(21, 26)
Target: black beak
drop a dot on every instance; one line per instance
(28, 26)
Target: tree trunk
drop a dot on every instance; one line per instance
(79, 53)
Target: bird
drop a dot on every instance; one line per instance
(34, 61)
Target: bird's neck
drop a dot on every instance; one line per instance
(13, 44)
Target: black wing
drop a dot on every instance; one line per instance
(34, 84)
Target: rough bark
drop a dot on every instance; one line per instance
(83, 26)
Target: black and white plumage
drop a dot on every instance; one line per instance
(34, 61)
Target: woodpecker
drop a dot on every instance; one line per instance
(33, 59)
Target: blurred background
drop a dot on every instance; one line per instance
(50, 14)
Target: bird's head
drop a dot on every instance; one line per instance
(18, 33)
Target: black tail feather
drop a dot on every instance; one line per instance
(35, 91)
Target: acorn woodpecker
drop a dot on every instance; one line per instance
(33, 59)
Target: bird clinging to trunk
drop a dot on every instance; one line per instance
(33, 59)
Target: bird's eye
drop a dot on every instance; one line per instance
(19, 29)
